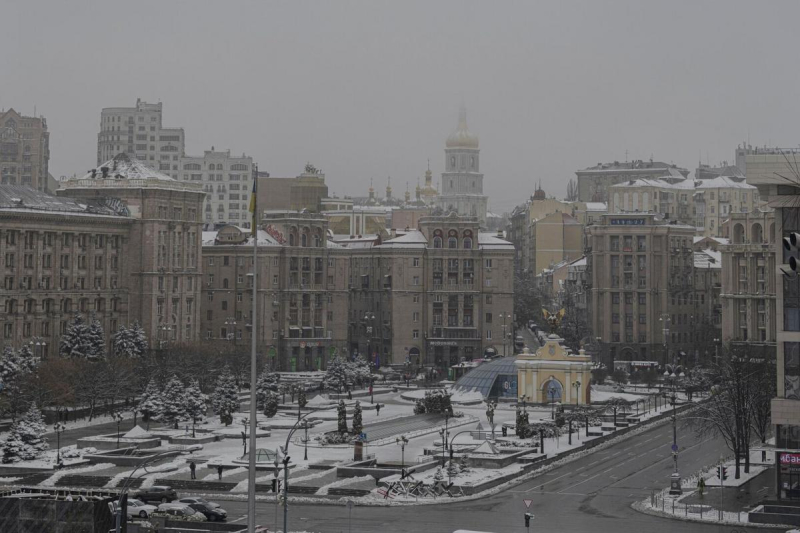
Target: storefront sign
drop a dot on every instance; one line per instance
(790, 459)
(444, 343)
(627, 221)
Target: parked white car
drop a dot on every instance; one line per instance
(139, 509)
(181, 510)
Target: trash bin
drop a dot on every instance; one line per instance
(505, 431)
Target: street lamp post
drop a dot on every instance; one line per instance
(402, 441)
(444, 443)
(552, 392)
(672, 374)
(305, 440)
(577, 385)
(717, 342)
(38, 342)
(59, 428)
(118, 419)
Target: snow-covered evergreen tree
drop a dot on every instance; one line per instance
(97, 340)
(9, 365)
(336, 376)
(196, 403)
(28, 362)
(225, 399)
(358, 370)
(267, 382)
(301, 397)
(174, 402)
(438, 475)
(358, 423)
(129, 341)
(271, 404)
(150, 403)
(463, 466)
(342, 416)
(81, 340)
(25, 440)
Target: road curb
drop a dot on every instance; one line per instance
(640, 506)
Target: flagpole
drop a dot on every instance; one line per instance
(251, 477)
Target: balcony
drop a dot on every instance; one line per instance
(455, 333)
(456, 287)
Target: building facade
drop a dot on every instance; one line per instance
(24, 150)
(434, 296)
(462, 182)
(227, 182)
(748, 281)
(164, 242)
(138, 131)
(121, 243)
(641, 294)
(303, 296)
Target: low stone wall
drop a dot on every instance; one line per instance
(204, 439)
(109, 442)
(368, 468)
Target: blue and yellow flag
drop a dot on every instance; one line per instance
(253, 211)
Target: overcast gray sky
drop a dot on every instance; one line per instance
(372, 89)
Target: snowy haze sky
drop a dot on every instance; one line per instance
(372, 89)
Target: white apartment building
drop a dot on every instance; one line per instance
(138, 132)
(227, 181)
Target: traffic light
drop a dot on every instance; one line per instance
(528, 518)
(792, 245)
(723, 473)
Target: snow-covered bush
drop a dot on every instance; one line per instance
(150, 403)
(334, 438)
(436, 401)
(341, 412)
(271, 404)
(129, 341)
(82, 340)
(225, 399)
(174, 402)
(358, 424)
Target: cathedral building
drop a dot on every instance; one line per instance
(462, 182)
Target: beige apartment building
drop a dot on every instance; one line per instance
(138, 131)
(121, 242)
(24, 150)
(303, 294)
(555, 238)
(641, 290)
(434, 296)
(227, 181)
(748, 280)
(702, 203)
(774, 172)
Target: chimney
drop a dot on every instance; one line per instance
(104, 170)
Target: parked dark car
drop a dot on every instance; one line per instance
(212, 511)
(157, 493)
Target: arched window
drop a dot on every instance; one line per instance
(437, 242)
(11, 306)
(452, 242)
(191, 166)
(317, 241)
(304, 240)
(66, 305)
(756, 234)
(552, 390)
(292, 239)
(467, 243)
(738, 234)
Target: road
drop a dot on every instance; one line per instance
(591, 494)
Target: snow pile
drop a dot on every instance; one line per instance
(318, 401)
(52, 480)
(466, 397)
(323, 490)
(137, 432)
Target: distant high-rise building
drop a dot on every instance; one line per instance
(138, 131)
(462, 182)
(227, 182)
(24, 150)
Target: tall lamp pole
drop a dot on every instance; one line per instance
(672, 374)
(59, 428)
(577, 385)
(402, 441)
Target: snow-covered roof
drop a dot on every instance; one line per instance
(123, 166)
(596, 206)
(412, 239)
(264, 239)
(720, 240)
(724, 182)
(492, 241)
(579, 262)
(21, 199)
(707, 259)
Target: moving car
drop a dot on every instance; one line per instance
(157, 493)
(139, 508)
(211, 510)
(181, 510)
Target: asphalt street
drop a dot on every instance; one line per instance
(591, 494)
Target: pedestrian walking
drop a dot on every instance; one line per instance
(193, 467)
(349, 394)
(377, 409)
(219, 472)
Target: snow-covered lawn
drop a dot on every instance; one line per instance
(52, 480)
(323, 490)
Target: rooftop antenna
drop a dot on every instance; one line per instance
(429, 163)
(626, 155)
